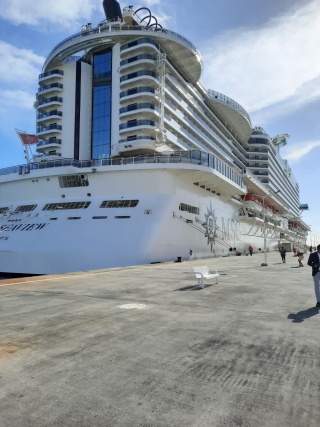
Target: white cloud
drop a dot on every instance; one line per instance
(69, 14)
(297, 151)
(268, 65)
(66, 13)
(17, 99)
(19, 66)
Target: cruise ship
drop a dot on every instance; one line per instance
(138, 162)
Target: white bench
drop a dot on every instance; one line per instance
(202, 273)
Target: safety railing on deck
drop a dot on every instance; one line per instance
(195, 157)
(108, 27)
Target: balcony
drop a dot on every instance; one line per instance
(50, 75)
(138, 107)
(260, 173)
(140, 145)
(41, 117)
(136, 138)
(143, 90)
(148, 45)
(262, 141)
(147, 60)
(49, 102)
(53, 87)
(144, 76)
(48, 143)
(54, 128)
(137, 123)
(45, 157)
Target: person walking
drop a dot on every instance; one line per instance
(314, 262)
(300, 257)
(283, 253)
(250, 249)
(310, 249)
(294, 252)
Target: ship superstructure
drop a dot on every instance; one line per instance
(138, 161)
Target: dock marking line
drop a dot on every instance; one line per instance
(112, 270)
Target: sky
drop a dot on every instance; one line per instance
(264, 55)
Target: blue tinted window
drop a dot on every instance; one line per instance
(101, 118)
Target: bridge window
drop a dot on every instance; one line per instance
(66, 206)
(26, 208)
(119, 204)
(187, 208)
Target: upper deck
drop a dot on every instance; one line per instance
(181, 51)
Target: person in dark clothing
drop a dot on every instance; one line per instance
(283, 253)
(314, 262)
(310, 249)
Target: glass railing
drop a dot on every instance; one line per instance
(136, 90)
(137, 123)
(115, 28)
(50, 127)
(137, 42)
(137, 107)
(41, 156)
(51, 113)
(48, 100)
(137, 58)
(212, 94)
(50, 73)
(138, 74)
(263, 141)
(49, 142)
(52, 86)
(136, 138)
(196, 157)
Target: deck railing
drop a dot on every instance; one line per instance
(195, 157)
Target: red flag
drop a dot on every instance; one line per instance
(28, 139)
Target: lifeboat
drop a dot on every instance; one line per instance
(252, 204)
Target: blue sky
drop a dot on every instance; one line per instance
(265, 55)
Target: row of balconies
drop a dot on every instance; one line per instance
(146, 56)
(180, 117)
(138, 60)
(49, 117)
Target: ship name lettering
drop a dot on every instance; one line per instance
(4, 237)
(231, 230)
(23, 227)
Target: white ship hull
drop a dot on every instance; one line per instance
(156, 230)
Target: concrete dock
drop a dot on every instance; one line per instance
(144, 346)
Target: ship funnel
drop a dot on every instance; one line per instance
(112, 10)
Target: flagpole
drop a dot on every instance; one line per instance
(27, 140)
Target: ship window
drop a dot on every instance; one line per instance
(99, 217)
(3, 210)
(26, 208)
(66, 206)
(68, 181)
(53, 219)
(187, 208)
(74, 217)
(122, 217)
(119, 204)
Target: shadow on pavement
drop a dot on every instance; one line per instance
(192, 288)
(304, 314)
